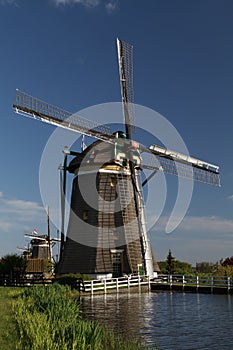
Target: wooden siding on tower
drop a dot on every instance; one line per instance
(108, 223)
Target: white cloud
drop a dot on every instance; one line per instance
(15, 210)
(6, 226)
(201, 224)
(197, 238)
(86, 3)
(1, 194)
(111, 6)
(206, 223)
(230, 197)
(22, 205)
(16, 217)
(8, 2)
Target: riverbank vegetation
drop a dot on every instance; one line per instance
(8, 331)
(171, 266)
(48, 318)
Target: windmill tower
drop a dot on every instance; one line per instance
(109, 237)
(110, 226)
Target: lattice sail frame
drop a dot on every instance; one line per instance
(36, 108)
(182, 165)
(189, 171)
(125, 61)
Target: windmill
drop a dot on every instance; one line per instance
(40, 246)
(110, 241)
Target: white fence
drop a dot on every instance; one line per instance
(116, 284)
(198, 282)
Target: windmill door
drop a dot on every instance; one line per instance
(117, 264)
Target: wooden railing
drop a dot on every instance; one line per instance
(116, 284)
(23, 282)
(196, 282)
(88, 287)
(209, 284)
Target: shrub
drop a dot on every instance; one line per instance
(71, 280)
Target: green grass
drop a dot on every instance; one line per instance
(48, 318)
(8, 331)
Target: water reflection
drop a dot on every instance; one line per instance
(177, 321)
(121, 312)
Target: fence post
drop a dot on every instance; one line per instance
(197, 282)
(117, 286)
(228, 284)
(91, 287)
(128, 283)
(105, 287)
(170, 281)
(183, 280)
(211, 284)
(139, 283)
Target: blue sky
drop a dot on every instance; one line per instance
(64, 51)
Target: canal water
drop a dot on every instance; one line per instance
(168, 320)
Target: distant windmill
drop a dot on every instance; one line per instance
(115, 230)
(26, 251)
(41, 245)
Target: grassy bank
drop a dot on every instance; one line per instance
(48, 318)
(8, 331)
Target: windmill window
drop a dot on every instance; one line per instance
(124, 162)
(85, 215)
(113, 182)
(116, 258)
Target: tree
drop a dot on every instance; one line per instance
(224, 271)
(170, 263)
(182, 268)
(162, 267)
(205, 267)
(175, 267)
(227, 261)
(13, 267)
(226, 267)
